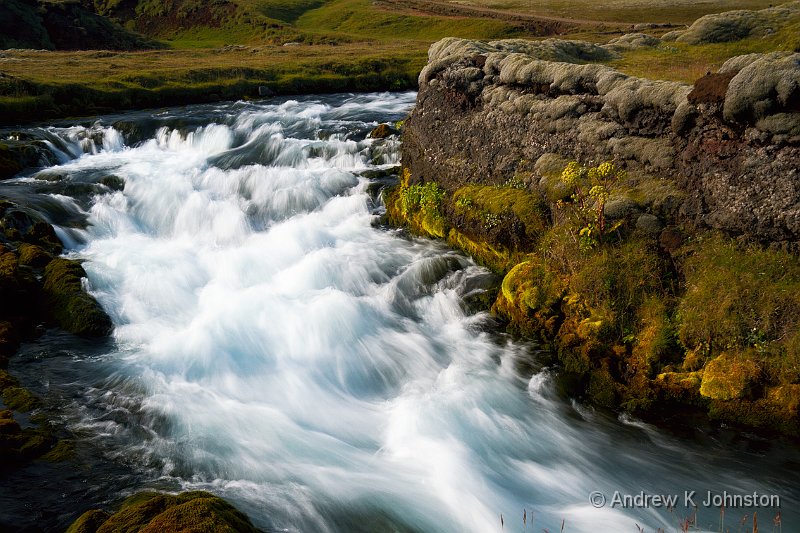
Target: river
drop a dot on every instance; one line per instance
(275, 345)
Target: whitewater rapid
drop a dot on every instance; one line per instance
(274, 346)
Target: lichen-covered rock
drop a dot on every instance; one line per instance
(507, 103)
(151, 512)
(68, 304)
(632, 41)
(766, 86)
(736, 25)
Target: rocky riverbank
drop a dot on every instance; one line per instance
(691, 297)
(39, 290)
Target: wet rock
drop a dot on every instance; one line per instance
(68, 304)
(382, 131)
(115, 183)
(33, 256)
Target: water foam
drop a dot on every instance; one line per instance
(322, 373)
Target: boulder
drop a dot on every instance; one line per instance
(68, 304)
(382, 131)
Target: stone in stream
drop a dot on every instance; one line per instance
(155, 512)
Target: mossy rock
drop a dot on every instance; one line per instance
(729, 377)
(496, 258)
(89, 522)
(602, 388)
(66, 302)
(20, 399)
(148, 512)
(511, 216)
(382, 131)
(115, 183)
(18, 445)
(33, 256)
(9, 163)
(63, 450)
(682, 387)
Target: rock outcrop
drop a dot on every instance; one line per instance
(730, 145)
(691, 297)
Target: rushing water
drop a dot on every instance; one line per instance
(274, 346)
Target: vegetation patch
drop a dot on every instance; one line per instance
(153, 512)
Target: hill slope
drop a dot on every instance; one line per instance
(62, 26)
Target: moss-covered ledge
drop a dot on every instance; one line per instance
(151, 512)
(655, 320)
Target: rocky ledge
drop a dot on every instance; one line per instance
(691, 298)
(37, 290)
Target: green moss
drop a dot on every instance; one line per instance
(33, 255)
(150, 512)
(63, 450)
(418, 206)
(602, 388)
(496, 258)
(68, 304)
(491, 205)
(89, 522)
(615, 281)
(738, 298)
(20, 399)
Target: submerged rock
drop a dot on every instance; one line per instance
(148, 512)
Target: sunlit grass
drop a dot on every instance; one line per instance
(683, 62)
(632, 11)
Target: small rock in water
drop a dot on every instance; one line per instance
(382, 131)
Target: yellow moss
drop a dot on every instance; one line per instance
(729, 376)
(681, 380)
(693, 360)
(496, 258)
(786, 396)
(490, 203)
